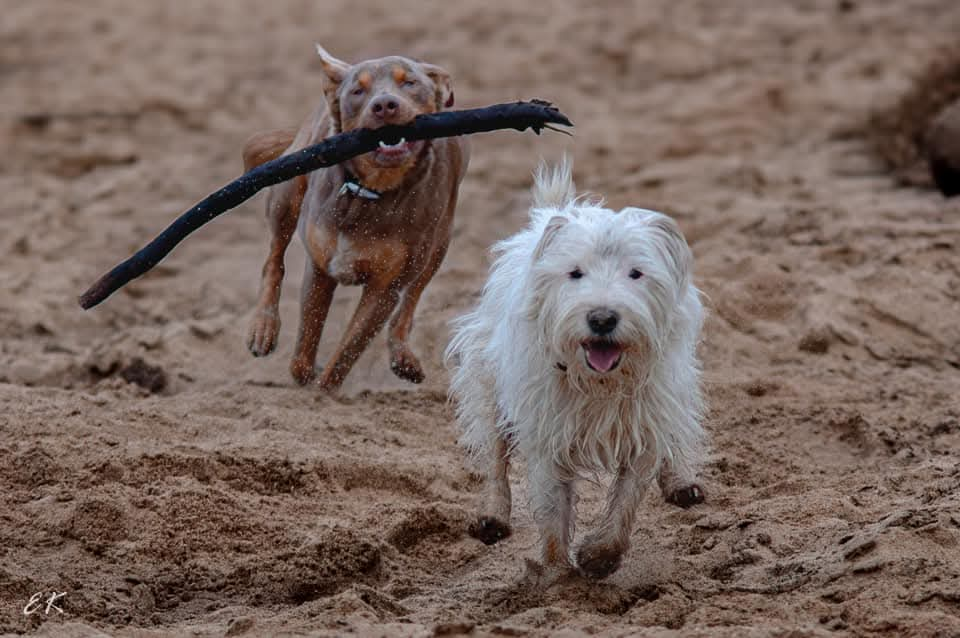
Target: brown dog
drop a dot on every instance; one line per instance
(382, 220)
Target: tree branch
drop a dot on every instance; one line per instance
(535, 115)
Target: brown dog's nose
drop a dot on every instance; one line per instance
(385, 106)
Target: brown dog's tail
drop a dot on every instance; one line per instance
(266, 146)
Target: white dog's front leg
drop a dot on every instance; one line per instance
(600, 553)
(551, 498)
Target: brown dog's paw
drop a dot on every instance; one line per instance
(331, 378)
(598, 561)
(262, 334)
(406, 366)
(489, 530)
(302, 372)
(686, 496)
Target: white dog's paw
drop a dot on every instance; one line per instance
(489, 530)
(598, 560)
(544, 576)
(686, 496)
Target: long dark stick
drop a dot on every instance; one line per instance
(534, 115)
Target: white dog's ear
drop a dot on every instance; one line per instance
(553, 227)
(678, 251)
(441, 80)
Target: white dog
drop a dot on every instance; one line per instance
(581, 356)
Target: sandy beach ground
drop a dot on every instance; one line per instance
(171, 484)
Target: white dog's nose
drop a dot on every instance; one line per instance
(602, 321)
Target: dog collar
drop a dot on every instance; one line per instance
(353, 186)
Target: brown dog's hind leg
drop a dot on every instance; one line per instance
(283, 210)
(315, 298)
(403, 362)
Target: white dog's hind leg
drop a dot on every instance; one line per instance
(494, 522)
(678, 484)
(600, 553)
(679, 470)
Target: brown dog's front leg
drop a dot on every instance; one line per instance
(315, 298)
(376, 304)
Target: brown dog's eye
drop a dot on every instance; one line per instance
(635, 274)
(576, 273)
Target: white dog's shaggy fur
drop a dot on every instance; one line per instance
(581, 356)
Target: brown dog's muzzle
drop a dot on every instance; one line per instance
(386, 109)
(389, 109)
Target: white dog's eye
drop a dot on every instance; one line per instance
(576, 273)
(358, 91)
(409, 82)
(635, 274)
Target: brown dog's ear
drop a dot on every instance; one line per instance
(334, 68)
(549, 234)
(441, 80)
(335, 71)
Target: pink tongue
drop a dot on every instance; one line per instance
(603, 358)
